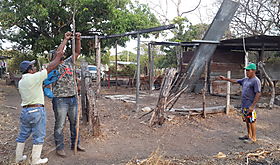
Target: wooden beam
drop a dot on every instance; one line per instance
(149, 30)
(138, 73)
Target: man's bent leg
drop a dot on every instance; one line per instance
(60, 108)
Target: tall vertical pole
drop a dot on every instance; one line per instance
(228, 93)
(98, 63)
(75, 82)
(152, 65)
(116, 64)
(150, 68)
(204, 90)
(85, 115)
(138, 72)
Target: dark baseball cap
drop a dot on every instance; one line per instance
(25, 64)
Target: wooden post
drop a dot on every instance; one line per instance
(204, 89)
(228, 93)
(150, 68)
(116, 63)
(98, 64)
(246, 62)
(75, 82)
(138, 72)
(94, 121)
(83, 92)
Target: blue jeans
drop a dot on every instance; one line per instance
(32, 121)
(62, 107)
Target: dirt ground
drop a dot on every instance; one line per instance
(126, 138)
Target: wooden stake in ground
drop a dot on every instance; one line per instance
(228, 93)
(92, 110)
(204, 90)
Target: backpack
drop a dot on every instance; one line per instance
(53, 76)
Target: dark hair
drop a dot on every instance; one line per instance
(28, 68)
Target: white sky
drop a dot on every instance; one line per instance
(203, 14)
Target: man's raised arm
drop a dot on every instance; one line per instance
(56, 61)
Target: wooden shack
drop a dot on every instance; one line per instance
(230, 56)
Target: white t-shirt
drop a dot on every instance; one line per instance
(31, 89)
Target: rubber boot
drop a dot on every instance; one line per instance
(19, 153)
(36, 155)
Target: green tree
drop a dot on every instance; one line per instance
(40, 25)
(185, 31)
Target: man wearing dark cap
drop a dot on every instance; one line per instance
(33, 115)
(251, 92)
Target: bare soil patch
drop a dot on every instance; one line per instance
(126, 138)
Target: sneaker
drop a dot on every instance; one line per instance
(61, 153)
(243, 137)
(79, 148)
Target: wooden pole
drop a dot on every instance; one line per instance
(83, 91)
(98, 64)
(150, 68)
(138, 73)
(75, 82)
(204, 90)
(116, 63)
(228, 93)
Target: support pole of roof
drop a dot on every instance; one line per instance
(98, 64)
(246, 56)
(138, 73)
(150, 68)
(228, 93)
(260, 59)
(116, 63)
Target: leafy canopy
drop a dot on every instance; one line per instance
(39, 25)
